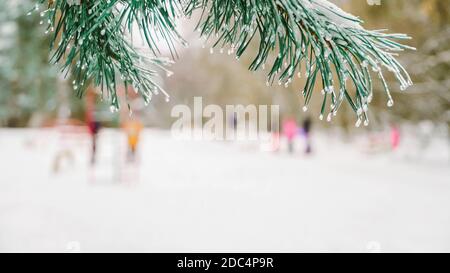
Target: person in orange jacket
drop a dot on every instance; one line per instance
(133, 130)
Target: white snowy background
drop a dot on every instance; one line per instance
(219, 196)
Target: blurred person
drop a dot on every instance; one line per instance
(306, 130)
(395, 137)
(94, 127)
(133, 128)
(290, 131)
(234, 121)
(92, 121)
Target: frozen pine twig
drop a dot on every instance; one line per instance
(314, 38)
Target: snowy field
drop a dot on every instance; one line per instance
(211, 196)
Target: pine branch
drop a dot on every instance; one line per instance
(92, 38)
(306, 37)
(311, 36)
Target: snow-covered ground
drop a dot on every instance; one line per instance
(213, 196)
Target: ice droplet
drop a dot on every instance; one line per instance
(329, 117)
(113, 108)
(390, 103)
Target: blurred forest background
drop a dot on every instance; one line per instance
(32, 93)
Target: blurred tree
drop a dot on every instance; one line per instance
(27, 80)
